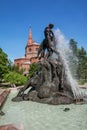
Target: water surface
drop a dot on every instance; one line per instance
(36, 116)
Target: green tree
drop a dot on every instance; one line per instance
(82, 68)
(15, 78)
(3, 63)
(33, 69)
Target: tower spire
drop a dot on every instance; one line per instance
(30, 37)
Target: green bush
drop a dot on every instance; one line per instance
(15, 78)
(33, 69)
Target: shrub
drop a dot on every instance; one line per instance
(15, 78)
(33, 69)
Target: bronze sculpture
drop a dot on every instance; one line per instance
(49, 84)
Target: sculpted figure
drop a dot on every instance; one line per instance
(48, 43)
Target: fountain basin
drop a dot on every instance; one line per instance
(37, 116)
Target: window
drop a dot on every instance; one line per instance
(17, 64)
(29, 49)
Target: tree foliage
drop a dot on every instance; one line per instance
(3, 63)
(9, 72)
(80, 67)
(33, 69)
(15, 78)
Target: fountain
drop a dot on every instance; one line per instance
(53, 82)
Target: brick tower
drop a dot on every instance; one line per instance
(31, 50)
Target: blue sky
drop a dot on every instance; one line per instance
(16, 16)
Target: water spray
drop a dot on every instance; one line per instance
(65, 52)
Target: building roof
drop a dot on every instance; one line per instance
(30, 40)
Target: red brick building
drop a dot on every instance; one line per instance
(31, 50)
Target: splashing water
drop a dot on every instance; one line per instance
(65, 52)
